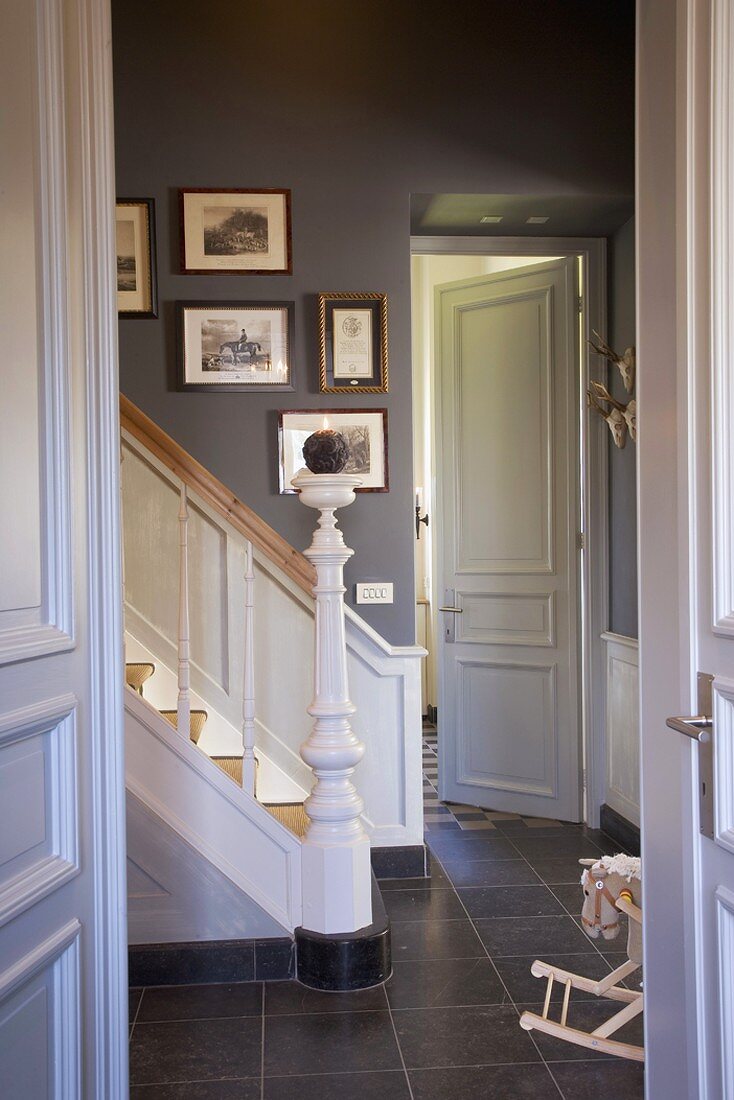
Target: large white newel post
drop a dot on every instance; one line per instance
(337, 883)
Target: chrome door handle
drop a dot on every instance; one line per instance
(453, 610)
(695, 726)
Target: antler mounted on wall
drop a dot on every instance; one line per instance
(627, 363)
(620, 418)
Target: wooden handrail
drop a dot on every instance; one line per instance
(217, 495)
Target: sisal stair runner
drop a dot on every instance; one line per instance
(198, 720)
(137, 674)
(290, 814)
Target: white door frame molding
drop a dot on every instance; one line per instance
(90, 157)
(594, 602)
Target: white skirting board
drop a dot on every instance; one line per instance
(622, 726)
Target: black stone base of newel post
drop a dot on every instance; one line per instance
(354, 960)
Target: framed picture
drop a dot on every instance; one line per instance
(235, 345)
(353, 343)
(238, 232)
(137, 290)
(365, 431)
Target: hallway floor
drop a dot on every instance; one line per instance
(504, 890)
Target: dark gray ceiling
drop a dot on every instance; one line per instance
(568, 215)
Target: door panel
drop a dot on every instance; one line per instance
(507, 480)
(63, 1002)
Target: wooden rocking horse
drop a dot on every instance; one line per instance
(611, 886)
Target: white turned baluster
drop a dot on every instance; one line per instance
(248, 697)
(184, 655)
(336, 850)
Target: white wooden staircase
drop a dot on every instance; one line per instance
(220, 664)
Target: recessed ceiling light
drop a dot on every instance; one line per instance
(491, 219)
(536, 221)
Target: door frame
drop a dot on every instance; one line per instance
(594, 485)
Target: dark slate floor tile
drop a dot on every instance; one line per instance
(537, 936)
(522, 986)
(288, 998)
(437, 983)
(423, 905)
(507, 872)
(615, 960)
(462, 1037)
(388, 1085)
(134, 996)
(570, 895)
(523, 1082)
(555, 871)
(444, 827)
(336, 1042)
(585, 1016)
(510, 901)
(614, 1079)
(195, 1050)
(555, 847)
(248, 1089)
(435, 939)
(466, 846)
(201, 1002)
(436, 881)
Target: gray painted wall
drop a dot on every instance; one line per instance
(622, 463)
(354, 107)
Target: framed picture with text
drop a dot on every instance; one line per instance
(353, 343)
(365, 431)
(235, 345)
(236, 232)
(137, 291)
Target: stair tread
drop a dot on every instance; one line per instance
(198, 721)
(290, 814)
(137, 672)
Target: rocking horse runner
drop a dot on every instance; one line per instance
(611, 886)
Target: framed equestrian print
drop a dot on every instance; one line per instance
(237, 232)
(353, 343)
(137, 294)
(235, 345)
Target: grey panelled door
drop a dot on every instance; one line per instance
(507, 472)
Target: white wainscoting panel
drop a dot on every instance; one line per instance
(38, 803)
(622, 726)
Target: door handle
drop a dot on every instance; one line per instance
(453, 610)
(700, 728)
(695, 726)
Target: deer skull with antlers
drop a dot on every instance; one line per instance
(626, 363)
(615, 415)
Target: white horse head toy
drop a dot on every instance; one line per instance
(604, 881)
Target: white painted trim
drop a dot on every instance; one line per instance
(594, 572)
(620, 639)
(722, 317)
(58, 717)
(725, 937)
(90, 28)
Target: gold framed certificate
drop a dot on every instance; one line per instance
(353, 343)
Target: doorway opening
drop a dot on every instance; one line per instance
(511, 568)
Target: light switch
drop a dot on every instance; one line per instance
(374, 592)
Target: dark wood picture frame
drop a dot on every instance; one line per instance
(331, 415)
(221, 386)
(287, 269)
(150, 314)
(377, 380)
